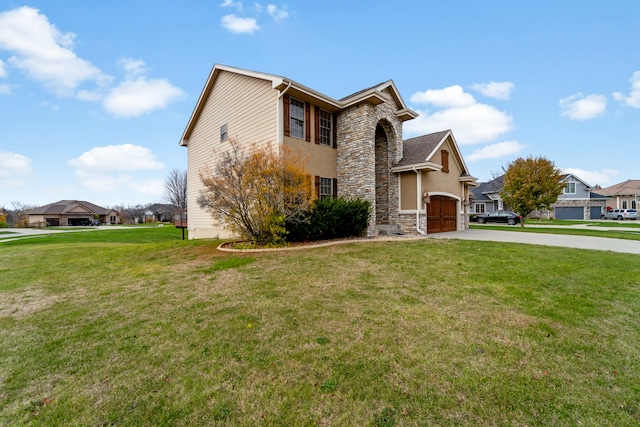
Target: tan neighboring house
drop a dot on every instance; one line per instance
(71, 213)
(624, 195)
(354, 145)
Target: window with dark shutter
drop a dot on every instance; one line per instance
(307, 118)
(287, 117)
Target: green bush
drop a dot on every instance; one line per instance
(330, 219)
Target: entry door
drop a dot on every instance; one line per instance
(441, 215)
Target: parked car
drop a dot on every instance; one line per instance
(96, 222)
(506, 217)
(620, 214)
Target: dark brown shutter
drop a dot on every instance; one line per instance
(307, 119)
(335, 130)
(335, 188)
(317, 186)
(287, 117)
(316, 117)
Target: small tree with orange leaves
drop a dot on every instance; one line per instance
(257, 190)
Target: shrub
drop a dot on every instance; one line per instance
(330, 219)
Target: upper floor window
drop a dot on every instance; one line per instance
(444, 156)
(297, 116)
(326, 127)
(570, 187)
(223, 133)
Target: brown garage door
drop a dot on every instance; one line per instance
(441, 215)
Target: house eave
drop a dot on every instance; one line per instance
(428, 166)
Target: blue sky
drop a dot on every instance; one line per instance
(94, 96)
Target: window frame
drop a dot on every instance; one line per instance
(300, 124)
(567, 188)
(479, 211)
(224, 134)
(325, 127)
(326, 184)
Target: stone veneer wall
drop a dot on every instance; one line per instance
(356, 160)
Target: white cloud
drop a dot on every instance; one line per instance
(231, 3)
(3, 71)
(43, 52)
(140, 96)
(5, 90)
(496, 151)
(471, 122)
(276, 13)
(125, 157)
(239, 25)
(449, 97)
(471, 125)
(14, 164)
(133, 67)
(116, 167)
(15, 169)
(580, 107)
(633, 100)
(604, 177)
(499, 90)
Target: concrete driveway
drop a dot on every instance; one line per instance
(563, 240)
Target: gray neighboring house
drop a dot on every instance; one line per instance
(578, 201)
(160, 212)
(487, 196)
(71, 213)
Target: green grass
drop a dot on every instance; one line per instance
(147, 329)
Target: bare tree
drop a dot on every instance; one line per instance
(176, 188)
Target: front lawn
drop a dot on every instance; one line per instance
(141, 328)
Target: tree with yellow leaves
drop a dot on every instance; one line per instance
(531, 184)
(256, 190)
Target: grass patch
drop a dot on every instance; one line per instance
(158, 331)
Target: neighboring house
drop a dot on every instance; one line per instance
(160, 212)
(354, 146)
(70, 213)
(578, 201)
(624, 195)
(486, 196)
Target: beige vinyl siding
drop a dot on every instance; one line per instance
(249, 108)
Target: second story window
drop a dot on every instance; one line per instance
(223, 133)
(296, 112)
(326, 127)
(570, 187)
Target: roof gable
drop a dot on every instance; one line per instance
(372, 95)
(418, 152)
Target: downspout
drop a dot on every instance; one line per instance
(419, 202)
(280, 133)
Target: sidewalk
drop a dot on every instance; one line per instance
(562, 240)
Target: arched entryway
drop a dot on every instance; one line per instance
(442, 214)
(382, 176)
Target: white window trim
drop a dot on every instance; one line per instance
(330, 128)
(291, 118)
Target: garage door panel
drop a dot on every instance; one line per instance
(442, 215)
(569, 212)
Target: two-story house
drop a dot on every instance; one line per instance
(578, 200)
(354, 146)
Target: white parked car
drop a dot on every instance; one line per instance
(620, 214)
